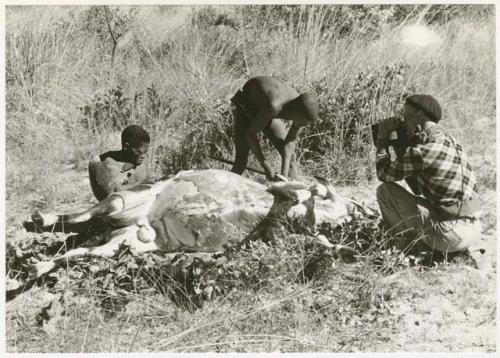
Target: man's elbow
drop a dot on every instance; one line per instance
(290, 145)
(381, 175)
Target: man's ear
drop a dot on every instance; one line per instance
(421, 116)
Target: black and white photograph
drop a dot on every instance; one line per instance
(244, 177)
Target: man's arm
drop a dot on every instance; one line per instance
(126, 186)
(411, 163)
(116, 176)
(138, 175)
(148, 176)
(257, 125)
(289, 145)
(413, 185)
(385, 127)
(382, 144)
(408, 164)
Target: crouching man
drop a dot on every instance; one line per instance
(121, 177)
(122, 169)
(445, 212)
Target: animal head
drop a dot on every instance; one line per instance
(288, 195)
(290, 192)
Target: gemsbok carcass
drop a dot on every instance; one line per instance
(200, 211)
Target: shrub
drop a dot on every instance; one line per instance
(208, 134)
(342, 135)
(110, 110)
(344, 20)
(109, 24)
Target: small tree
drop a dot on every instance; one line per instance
(110, 23)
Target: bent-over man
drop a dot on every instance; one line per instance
(261, 106)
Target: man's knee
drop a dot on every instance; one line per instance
(385, 190)
(237, 169)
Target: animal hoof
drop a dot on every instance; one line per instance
(346, 254)
(327, 189)
(323, 241)
(12, 285)
(39, 269)
(43, 220)
(146, 234)
(318, 190)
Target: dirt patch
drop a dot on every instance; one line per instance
(450, 307)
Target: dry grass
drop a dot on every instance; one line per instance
(53, 70)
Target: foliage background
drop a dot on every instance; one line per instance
(71, 78)
(75, 75)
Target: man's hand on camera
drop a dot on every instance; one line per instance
(388, 125)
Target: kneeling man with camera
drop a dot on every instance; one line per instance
(443, 211)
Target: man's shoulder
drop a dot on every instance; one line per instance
(438, 134)
(115, 155)
(113, 161)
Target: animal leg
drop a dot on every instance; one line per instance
(128, 235)
(110, 205)
(286, 195)
(325, 190)
(342, 252)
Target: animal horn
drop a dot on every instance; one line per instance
(288, 190)
(331, 193)
(351, 204)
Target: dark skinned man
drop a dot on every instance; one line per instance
(122, 169)
(262, 105)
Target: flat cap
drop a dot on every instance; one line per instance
(427, 104)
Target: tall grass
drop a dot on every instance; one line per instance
(176, 81)
(53, 71)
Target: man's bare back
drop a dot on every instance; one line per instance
(261, 106)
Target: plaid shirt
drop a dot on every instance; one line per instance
(439, 165)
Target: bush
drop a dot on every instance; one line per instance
(110, 110)
(336, 21)
(109, 24)
(114, 110)
(341, 138)
(208, 134)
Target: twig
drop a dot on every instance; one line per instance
(165, 342)
(106, 11)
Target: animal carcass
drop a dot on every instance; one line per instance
(198, 211)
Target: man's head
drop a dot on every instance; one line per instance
(420, 108)
(135, 142)
(303, 109)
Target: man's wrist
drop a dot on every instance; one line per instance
(382, 145)
(381, 156)
(264, 164)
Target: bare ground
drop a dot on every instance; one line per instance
(451, 308)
